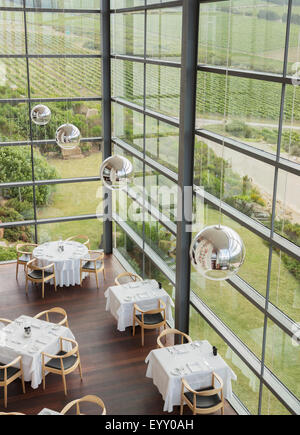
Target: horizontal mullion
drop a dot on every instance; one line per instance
(250, 151)
(47, 100)
(246, 355)
(164, 118)
(256, 75)
(146, 60)
(52, 10)
(45, 142)
(49, 56)
(48, 182)
(170, 4)
(50, 221)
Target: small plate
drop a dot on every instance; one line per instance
(128, 299)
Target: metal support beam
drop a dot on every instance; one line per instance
(190, 30)
(106, 110)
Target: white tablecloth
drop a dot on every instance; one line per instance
(45, 338)
(197, 364)
(67, 263)
(121, 299)
(47, 411)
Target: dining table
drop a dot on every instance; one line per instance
(146, 294)
(45, 337)
(66, 257)
(195, 362)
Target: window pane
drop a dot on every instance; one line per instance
(91, 228)
(163, 90)
(255, 33)
(271, 405)
(128, 81)
(247, 385)
(50, 33)
(129, 126)
(162, 143)
(251, 110)
(282, 357)
(164, 34)
(65, 200)
(12, 33)
(128, 33)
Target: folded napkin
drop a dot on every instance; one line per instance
(16, 342)
(196, 367)
(41, 341)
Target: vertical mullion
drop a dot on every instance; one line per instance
(275, 188)
(190, 31)
(106, 113)
(30, 122)
(144, 140)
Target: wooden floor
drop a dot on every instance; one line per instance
(113, 362)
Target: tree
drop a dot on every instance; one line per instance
(15, 166)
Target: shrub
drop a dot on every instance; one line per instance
(7, 254)
(17, 233)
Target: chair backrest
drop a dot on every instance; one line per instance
(73, 351)
(207, 393)
(130, 275)
(87, 399)
(56, 310)
(82, 238)
(161, 308)
(175, 332)
(25, 248)
(4, 323)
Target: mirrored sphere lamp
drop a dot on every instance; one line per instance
(217, 252)
(68, 137)
(41, 115)
(116, 172)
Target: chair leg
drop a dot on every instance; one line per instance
(5, 396)
(80, 278)
(181, 407)
(43, 290)
(23, 384)
(133, 328)
(97, 280)
(44, 379)
(223, 410)
(17, 270)
(55, 286)
(80, 371)
(26, 288)
(143, 337)
(104, 275)
(65, 384)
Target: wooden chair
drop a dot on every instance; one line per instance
(63, 363)
(205, 401)
(57, 310)
(133, 276)
(4, 323)
(174, 332)
(39, 275)
(80, 238)
(24, 255)
(88, 399)
(9, 373)
(93, 264)
(152, 319)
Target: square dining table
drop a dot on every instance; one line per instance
(194, 362)
(146, 294)
(45, 337)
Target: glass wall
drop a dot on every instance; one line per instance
(246, 142)
(52, 58)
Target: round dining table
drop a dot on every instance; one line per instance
(66, 261)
